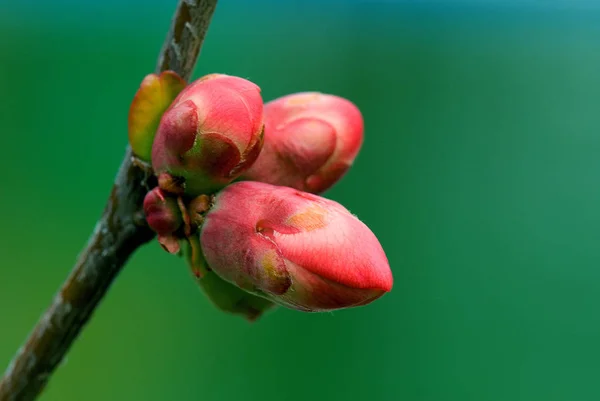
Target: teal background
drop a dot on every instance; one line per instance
(479, 174)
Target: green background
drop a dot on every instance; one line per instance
(479, 174)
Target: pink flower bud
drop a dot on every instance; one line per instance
(164, 217)
(297, 249)
(311, 139)
(210, 134)
(162, 212)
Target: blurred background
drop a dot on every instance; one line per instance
(480, 175)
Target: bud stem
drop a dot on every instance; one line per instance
(197, 263)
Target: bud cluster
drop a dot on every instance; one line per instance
(237, 193)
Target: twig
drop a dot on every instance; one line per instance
(118, 233)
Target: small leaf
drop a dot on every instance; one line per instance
(155, 95)
(227, 297)
(232, 299)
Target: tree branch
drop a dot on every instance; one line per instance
(118, 233)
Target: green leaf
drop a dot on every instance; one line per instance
(226, 296)
(155, 95)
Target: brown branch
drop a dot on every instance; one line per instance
(118, 233)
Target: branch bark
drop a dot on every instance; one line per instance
(118, 233)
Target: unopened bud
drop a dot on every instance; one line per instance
(294, 248)
(211, 133)
(311, 139)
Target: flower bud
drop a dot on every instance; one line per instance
(210, 134)
(294, 248)
(164, 217)
(311, 139)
